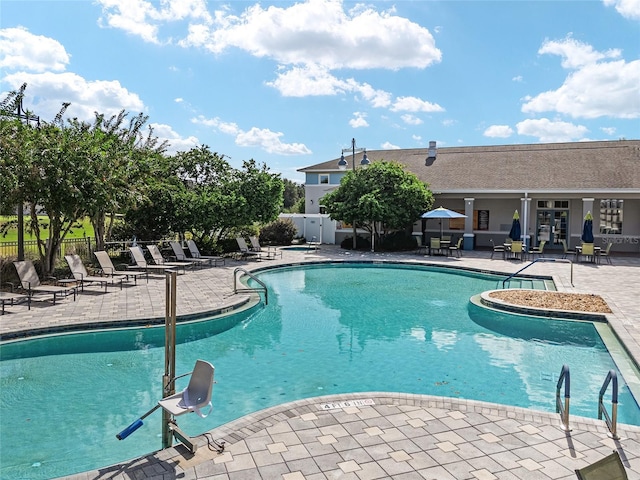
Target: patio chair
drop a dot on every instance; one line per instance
(141, 263)
(270, 252)
(606, 253)
(195, 253)
(106, 265)
(196, 396)
(81, 275)
(608, 468)
(497, 249)
(179, 255)
(517, 251)
(245, 252)
(434, 246)
(158, 259)
(456, 248)
(30, 282)
(565, 249)
(587, 251)
(539, 250)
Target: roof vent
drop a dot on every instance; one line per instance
(431, 156)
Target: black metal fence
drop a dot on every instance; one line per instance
(81, 246)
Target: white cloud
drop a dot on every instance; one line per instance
(86, 97)
(176, 142)
(359, 120)
(142, 18)
(20, 49)
(611, 131)
(262, 138)
(627, 8)
(597, 86)
(517, 78)
(413, 104)
(417, 138)
(389, 146)
(498, 131)
(309, 80)
(549, 131)
(320, 31)
(411, 119)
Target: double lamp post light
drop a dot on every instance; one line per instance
(342, 165)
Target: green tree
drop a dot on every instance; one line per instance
(383, 194)
(293, 193)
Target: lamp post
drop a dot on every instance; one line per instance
(342, 165)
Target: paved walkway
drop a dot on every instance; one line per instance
(374, 435)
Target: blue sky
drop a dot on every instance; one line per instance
(290, 83)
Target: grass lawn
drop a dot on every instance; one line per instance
(80, 230)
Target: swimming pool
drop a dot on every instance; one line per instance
(328, 329)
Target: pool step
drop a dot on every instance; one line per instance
(529, 283)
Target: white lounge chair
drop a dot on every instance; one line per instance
(178, 253)
(81, 275)
(245, 252)
(195, 253)
(106, 265)
(141, 263)
(159, 259)
(30, 282)
(270, 252)
(196, 396)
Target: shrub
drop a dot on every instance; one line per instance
(278, 232)
(361, 243)
(398, 241)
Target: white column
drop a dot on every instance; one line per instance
(468, 236)
(525, 207)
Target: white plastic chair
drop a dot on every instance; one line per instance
(196, 396)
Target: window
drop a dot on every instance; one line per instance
(324, 179)
(611, 216)
(551, 204)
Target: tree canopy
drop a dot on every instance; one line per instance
(381, 194)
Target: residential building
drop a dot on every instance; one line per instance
(552, 185)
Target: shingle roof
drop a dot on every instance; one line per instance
(583, 166)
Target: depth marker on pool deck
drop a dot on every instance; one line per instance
(350, 403)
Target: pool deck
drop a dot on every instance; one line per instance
(376, 435)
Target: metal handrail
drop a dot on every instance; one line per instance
(563, 410)
(543, 259)
(249, 289)
(613, 420)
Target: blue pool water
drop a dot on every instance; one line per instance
(326, 330)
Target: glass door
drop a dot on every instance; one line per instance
(551, 226)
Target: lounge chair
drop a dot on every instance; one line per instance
(270, 252)
(497, 249)
(196, 396)
(179, 255)
(245, 252)
(81, 275)
(106, 265)
(195, 253)
(31, 284)
(456, 248)
(11, 298)
(158, 259)
(608, 468)
(141, 263)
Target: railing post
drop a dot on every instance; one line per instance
(564, 410)
(168, 380)
(612, 422)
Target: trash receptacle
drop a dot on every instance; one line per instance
(469, 242)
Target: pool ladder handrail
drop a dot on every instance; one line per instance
(612, 420)
(563, 409)
(542, 259)
(262, 288)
